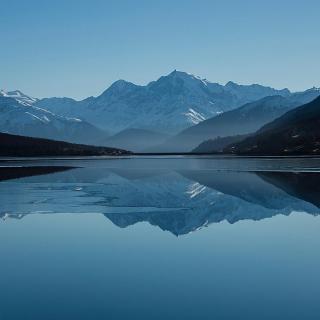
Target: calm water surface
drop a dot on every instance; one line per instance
(160, 238)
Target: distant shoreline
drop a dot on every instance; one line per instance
(150, 155)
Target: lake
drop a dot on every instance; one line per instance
(160, 238)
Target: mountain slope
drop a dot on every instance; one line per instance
(244, 120)
(170, 104)
(218, 144)
(295, 133)
(19, 115)
(20, 146)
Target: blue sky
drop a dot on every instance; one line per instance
(78, 48)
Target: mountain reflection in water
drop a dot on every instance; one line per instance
(179, 201)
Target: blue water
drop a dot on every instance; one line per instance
(177, 238)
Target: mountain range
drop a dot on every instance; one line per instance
(169, 104)
(240, 121)
(175, 113)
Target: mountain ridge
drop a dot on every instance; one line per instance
(186, 108)
(240, 121)
(20, 115)
(169, 104)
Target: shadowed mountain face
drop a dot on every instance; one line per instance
(295, 133)
(240, 121)
(176, 200)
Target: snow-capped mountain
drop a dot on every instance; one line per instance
(19, 96)
(19, 115)
(179, 104)
(170, 104)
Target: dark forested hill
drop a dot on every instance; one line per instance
(295, 133)
(218, 144)
(14, 145)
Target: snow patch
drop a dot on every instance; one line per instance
(194, 116)
(36, 117)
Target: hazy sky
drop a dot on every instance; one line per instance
(78, 48)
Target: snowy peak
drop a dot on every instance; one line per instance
(182, 78)
(183, 75)
(19, 96)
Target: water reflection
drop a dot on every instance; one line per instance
(179, 201)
